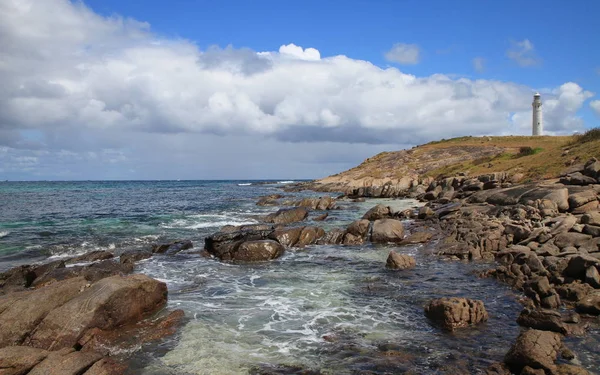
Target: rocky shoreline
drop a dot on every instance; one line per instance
(76, 315)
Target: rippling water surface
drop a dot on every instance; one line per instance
(331, 308)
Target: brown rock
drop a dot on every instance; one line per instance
(93, 256)
(564, 369)
(378, 212)
(309, 236)
(542, 319)
(591, 218)
(359, 228)
(287, 216)
(106, 366)
(387, 230)
(256, 251)
(321, 217)
(28, 309)
(590, 304)
(172, 247)
(269, 200)
(453, 313)
(497, 369)
(571, 239)
(60, 363)
(18, 360)
(288, 237)
(92, 272)
(333, 237)
(400, 261)
(580, 198)
(592, 277)
(134, 256)
(589, 206)
(579, 264)
(534, 348)
(107, 304)
(350, 239)
(425, 212)
(417, 237)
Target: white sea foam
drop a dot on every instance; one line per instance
(4, 233)
(285, 182)
(246, 184)
(207, 221)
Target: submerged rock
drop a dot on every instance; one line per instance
(453, 313)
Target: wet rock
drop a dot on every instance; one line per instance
(269, 200)
(453, 313)
(400, 261)
(531, 371)
(133, 256)
(321, 217)
(564, 369)
(172, 247)
(309, 236)
(350, 239)
(66, 362)
(287, 216)
(387, 230)
(18, 360)
(542, 319)
(592, 230)
(333, 237)
(17, 278)
(534, 348)
(223, 244)
(416, 238)
(378, 212)
(497, 369)
(425, 212)
(106, 304)
(288, 237)
(93, 256)
(256, 251)
(359, 228)
(448, 209)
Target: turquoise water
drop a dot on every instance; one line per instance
(324, 307)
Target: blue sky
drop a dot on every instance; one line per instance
(215, 89)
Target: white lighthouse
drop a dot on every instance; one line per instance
(537, 125)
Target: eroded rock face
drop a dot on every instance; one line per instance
(256, 251)
(397, 261)
(387, 230)
(453, 313)
(287, 216)
(17, 360)
(534, 348)
(416, 238)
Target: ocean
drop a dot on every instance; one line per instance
(332, 308)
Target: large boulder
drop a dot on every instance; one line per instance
(453, 313)
(387, 230)
(224, 244)
(309, 236)
(378, 212)
(288, 237)
(534, 348)
(256, 251)
(287, 215)
(106, 304)
(589, 304)
(333, 237)
(397, 261)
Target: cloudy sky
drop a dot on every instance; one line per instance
(181, 89)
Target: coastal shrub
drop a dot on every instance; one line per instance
(588, 136)
(526, 150)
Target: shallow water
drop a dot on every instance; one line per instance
(333, 308)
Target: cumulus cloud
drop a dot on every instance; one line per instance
(408, 54)
(595, 105)
(479, 64)
(523, 53)
(76, 82)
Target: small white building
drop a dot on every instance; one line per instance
(537, 124)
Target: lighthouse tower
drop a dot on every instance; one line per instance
(537, 125)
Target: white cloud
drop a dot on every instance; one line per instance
(479, 64)
(401, 53)
(78, 82)
(595, 105)
(523, 53)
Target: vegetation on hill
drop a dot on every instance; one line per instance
(540, 157)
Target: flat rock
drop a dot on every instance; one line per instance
(542, 319)
(416, 238)
(453, 313)
(172, 247)
(73, 363)
(133, 256)
(93, 256)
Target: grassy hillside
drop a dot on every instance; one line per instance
(536, 157)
